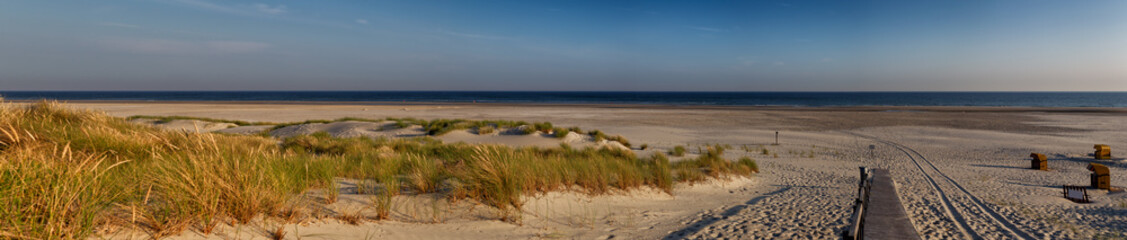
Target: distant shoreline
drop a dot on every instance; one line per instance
(1014, 109)
(722, 100)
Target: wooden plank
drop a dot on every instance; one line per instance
(885, 217)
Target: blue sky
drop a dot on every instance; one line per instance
(1027, 45)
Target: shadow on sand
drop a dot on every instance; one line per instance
(695, 227)
(1114, 162)
(998, 166)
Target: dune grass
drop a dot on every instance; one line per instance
(677, 151)
(485, 130)
(711, 164)
(597, 135)
(619, 139)
(436, 127)
(69, 173)
(560, 132)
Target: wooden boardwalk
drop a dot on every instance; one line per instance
(885, 217)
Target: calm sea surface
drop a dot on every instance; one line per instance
(1031, 99)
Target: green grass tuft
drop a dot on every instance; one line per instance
(560, 132)
(619, 139)
(678, 151)
(598, 135)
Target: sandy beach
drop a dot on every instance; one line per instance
(961, 171)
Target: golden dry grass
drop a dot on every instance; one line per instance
(72, 174)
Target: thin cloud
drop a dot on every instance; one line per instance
(476, 36)
(258, 9)
(362, 21)
(274, 10)
(650, 12)
(119, 25)
(747, 61)
(208, 6)
(235, 46)
(179, 47)
(708, 29)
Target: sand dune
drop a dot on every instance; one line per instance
(187, 125)
(976, 158)
(387, 129)
(348, 129)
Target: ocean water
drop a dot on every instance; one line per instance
(813, 99)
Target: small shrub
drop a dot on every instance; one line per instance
(383, 200)
(678, 151)
(575, 129)
(749, 163)
(663, 176)
(560, 132)
(442, 126)
(333, 193)
(765, 152)
(485, 130)
(644, 146)
(526, 130)
(279, 233)
(545, 127)
(598, 135)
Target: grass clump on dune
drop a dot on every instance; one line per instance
(545, 127)
(560, 132)
(678, 151)
(442, 126)
(354, 119)
(74, 174)
(711, 164)
(485, 130)
(619, 139)
(597, 135)
(406, 122)
(494, 175)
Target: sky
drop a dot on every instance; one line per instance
(532, 45)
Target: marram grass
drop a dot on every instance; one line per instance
(70, 174)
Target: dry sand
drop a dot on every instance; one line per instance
(961, 171)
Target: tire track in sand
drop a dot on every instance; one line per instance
(949, 208)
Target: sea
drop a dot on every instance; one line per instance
(800, 99)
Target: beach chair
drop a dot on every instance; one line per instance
(1102, 152)
(1077, 194)
(1101, 176)
(1039, 161)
